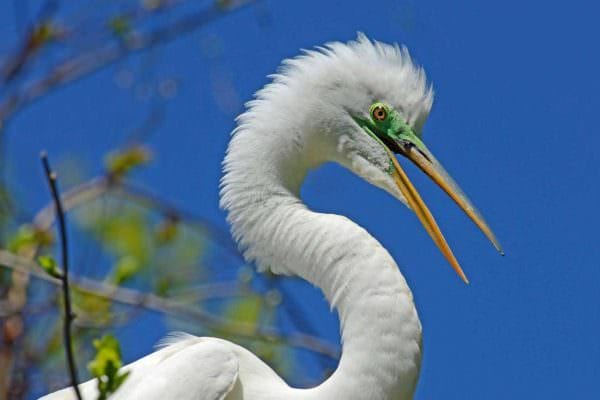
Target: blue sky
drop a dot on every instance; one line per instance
(514, 121)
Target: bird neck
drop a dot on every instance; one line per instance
(380, 329)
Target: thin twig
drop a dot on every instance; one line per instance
(64, 277)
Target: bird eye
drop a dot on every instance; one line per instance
(379, 113)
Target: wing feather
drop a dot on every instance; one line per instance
(204, 369)
(188, 368)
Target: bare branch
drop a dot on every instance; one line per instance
(173, 308)
(64, 277)
(94, 60)
(97, 187)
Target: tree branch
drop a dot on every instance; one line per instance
(102, 185)
(93, 61)
(64, 277)
(173, 308)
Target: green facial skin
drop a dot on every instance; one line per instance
(396, 135)
(392, 129)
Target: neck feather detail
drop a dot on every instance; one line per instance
(381, 332)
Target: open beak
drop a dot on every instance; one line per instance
(411, 147)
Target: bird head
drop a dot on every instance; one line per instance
(359, 104)
(370, 101)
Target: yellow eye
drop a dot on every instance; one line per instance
(379, 113)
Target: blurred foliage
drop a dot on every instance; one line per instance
(120, 25)
(41, 35)
(28, 238)
(246, 310)
(121, 162)
(124, 235)
(131, 244)
(128, 246)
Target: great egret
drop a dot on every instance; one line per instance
(356, 104)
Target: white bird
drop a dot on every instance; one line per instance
(356, 104)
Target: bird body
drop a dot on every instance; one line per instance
(355, 104)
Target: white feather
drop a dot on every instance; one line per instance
(297, 122)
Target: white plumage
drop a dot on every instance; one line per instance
(305, 117)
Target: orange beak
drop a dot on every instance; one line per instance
(423, 159)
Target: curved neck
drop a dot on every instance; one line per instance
(380, 329)
(381, 332)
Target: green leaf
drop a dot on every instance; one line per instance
(120, 25)
(166, 231)
(125, 269)
(27, 237)
(105, 366)
(91, 306)
(24, 237)
(41, 35)
(245, 310)
(48, 264)
(120, 162)
(124, 234)
(163, 285)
